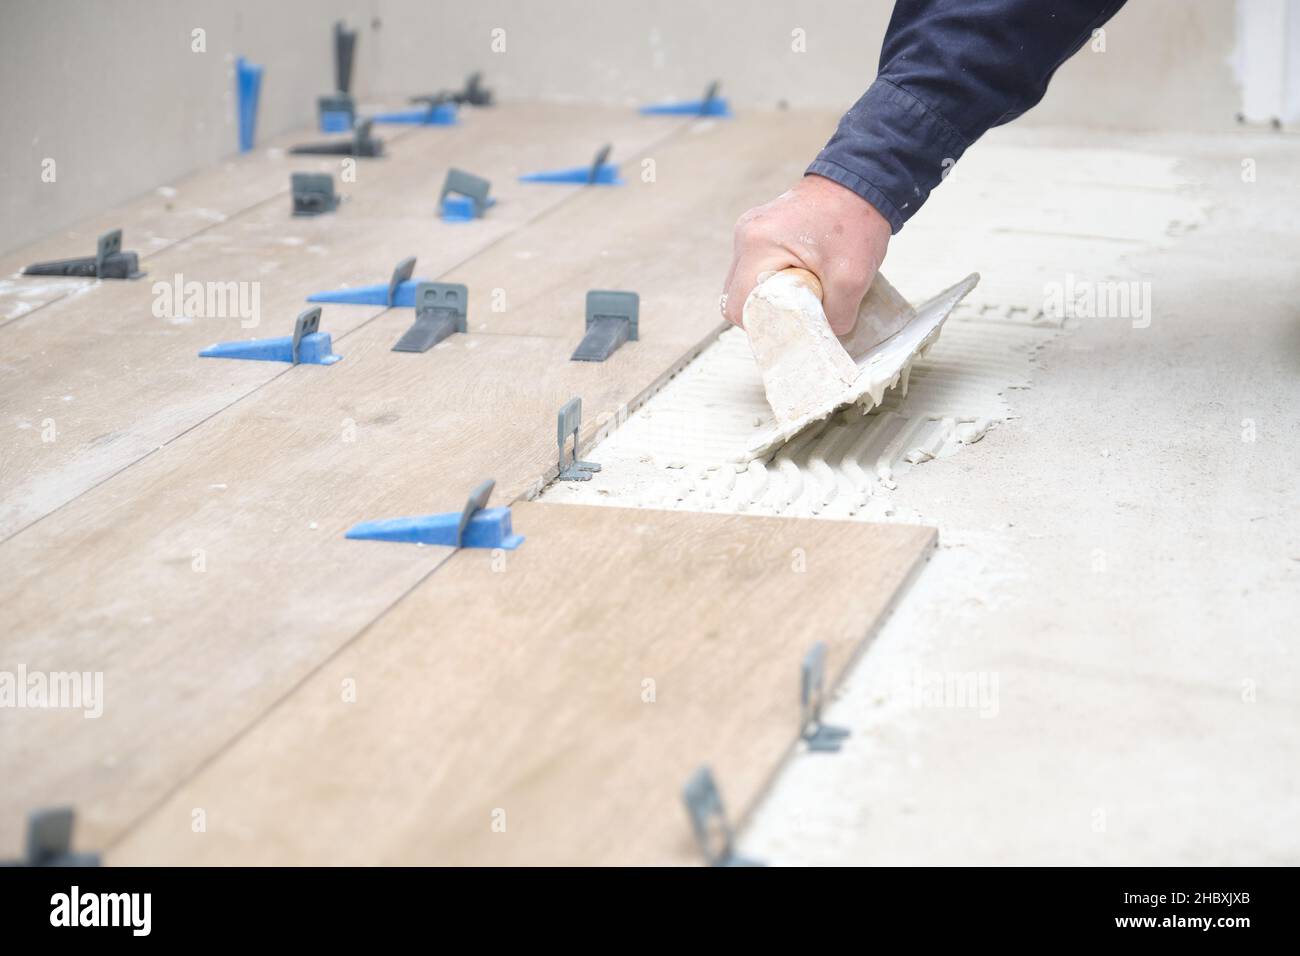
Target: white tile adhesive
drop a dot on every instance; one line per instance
(685, 448)
(691, 446)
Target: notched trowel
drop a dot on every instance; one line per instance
(809, 373)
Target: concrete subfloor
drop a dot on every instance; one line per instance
(1099, 666)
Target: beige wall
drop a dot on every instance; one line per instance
(113, 93)
(1165, 64)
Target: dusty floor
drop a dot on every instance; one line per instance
(1098, 664)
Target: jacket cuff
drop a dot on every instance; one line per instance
(891, 149)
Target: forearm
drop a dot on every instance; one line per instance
(949, 70)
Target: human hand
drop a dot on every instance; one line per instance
(817, 225)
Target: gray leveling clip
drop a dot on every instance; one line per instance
(474, 188)
(570, 423)
(361, 144)
(401, 273)
(474, 92)
(49, 841)
(611, 321)
(313, 193)
(821, 738)
(307, 323)
(433, 100)
(597, 163)
(710, 94)
(108, 262)
(440, 311)
(345, 45)
(713, 831)
(477, 501)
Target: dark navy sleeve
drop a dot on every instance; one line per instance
(949, 70)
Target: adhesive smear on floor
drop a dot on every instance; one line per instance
(21, 294)
(1049, 229)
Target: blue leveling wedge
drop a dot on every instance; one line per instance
(462, 208)
(337, 112)
(398, 293)
(476, 526)
(710, 105)
(596, 173)
(248, 81)
(306, 346)
(435, 113)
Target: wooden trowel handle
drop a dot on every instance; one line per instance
(804, 278)
(882, 312)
